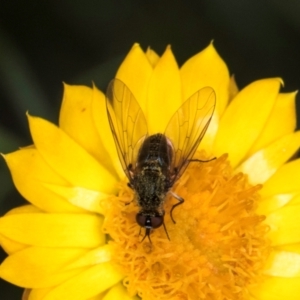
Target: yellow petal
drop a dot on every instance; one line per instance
(118, 292)
(98, 297)
(233, 88)
(277, 288)
(283, 264)
(285, 180)
(282, 121)
(29, 170)
(264, 163)
(164, 93)
(76, 119)
(210, 135)
(290, 248)
(24, 209)
(284, 225)
(38, 294)
(54, 230)
(274, 202)
(87, 199)
(42, 266)
(152, 56)
(206, 68)
(104, 130)
(250, 110)
(86, 284)
(67, 158)
(92, 257)
(295, 200)
(135, 71)
(10, 246)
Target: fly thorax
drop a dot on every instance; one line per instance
(150, 187)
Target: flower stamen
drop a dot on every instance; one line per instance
(217, 246)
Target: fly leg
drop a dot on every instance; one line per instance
(180, 201)
(199, 160)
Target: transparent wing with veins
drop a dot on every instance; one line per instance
(127, 122)
(187, 128)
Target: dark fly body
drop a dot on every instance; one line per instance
(154, 163)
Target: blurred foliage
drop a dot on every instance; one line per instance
(43, 43)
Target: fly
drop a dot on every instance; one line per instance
(154, 163)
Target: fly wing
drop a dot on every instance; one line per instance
(127, 122)
(187, 128)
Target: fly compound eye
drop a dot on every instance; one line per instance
(149, 221)
(157, 221)
(141, 219)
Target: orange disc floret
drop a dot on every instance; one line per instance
(217, 246)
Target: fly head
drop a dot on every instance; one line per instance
(149, 222)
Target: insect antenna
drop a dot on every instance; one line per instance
(147, 233)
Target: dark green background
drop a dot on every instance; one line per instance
(43, 43)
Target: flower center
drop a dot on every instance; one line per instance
(217, 246)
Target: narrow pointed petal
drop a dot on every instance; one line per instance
(54, 230)
(250, 110)
(79, 168)
(284, 225)
(283, 264)
(285, 180)
(164, 93)
(29, 170)
(84, 198)
(104, 130)
(152, 56)
(206, 69)
(88, 283)
(277, 288)
(76, 119)
(281, 122)
(264, 163)
(135, 71)
(42, 266)
(118, 292)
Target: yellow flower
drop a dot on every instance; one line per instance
(233, 237)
